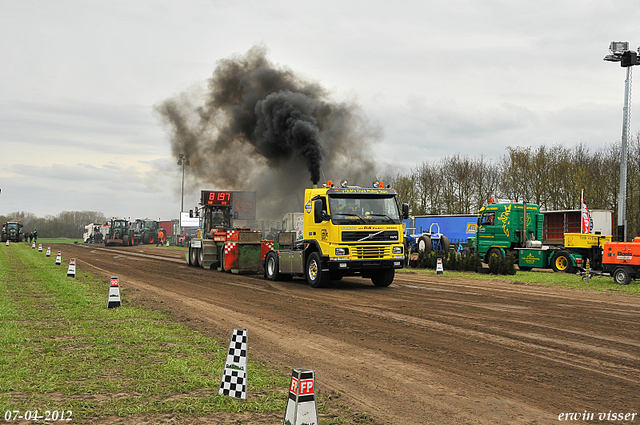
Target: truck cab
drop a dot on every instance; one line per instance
(347, 231)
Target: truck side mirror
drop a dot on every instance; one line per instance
(319, 215)
(405, 211)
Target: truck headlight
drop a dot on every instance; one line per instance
(397, 250)
(342, 251)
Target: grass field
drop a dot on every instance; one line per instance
(547, 278)
(61, 349)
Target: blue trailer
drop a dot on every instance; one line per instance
(449, 231)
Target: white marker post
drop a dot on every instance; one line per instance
(40, 247)
(439, 268)
(71, 271)
(114, 293)
(301, 405)
(48, 254)
(59, 258)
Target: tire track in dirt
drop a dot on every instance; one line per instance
(451, 351)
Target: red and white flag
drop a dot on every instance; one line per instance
(585, 219)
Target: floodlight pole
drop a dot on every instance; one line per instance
(622, 200)
(183, 160)
(619, 52)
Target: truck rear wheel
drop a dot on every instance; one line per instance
(561, 262)
(621, 276)
(383, 277)
(193, 257)
(424, 244)
(201, 257)
(315, 276)
(271, 269)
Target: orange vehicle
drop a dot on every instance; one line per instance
(622, 260)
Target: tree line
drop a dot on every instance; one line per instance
(67, 224)
(550, 176)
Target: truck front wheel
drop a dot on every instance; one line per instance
(383, 277)
(621, 276)
(315, 276)
(493, 253)
(561, 262)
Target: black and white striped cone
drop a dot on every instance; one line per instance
(33, 245)
(59, 258)
(7, 243)
(234, 376)
(301, 405)
(114, 293)
(71, 271)
(439, 268)
(48, 254)
(39, 247)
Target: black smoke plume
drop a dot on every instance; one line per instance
(259, 127)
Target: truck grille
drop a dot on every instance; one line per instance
(373, 236)
(370, 252)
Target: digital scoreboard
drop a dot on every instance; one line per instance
(221, 198)
(242, 205)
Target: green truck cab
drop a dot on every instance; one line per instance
(517, 228)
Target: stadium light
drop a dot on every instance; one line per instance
(184, 161)
(619, 52)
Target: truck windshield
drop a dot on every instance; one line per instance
(12, 226)
(363, 209)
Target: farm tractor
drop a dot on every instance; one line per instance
(12, 231)
(220, 245)
(146, 231)
(433, 240)
(119, 232)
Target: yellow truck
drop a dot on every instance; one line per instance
(347, 231)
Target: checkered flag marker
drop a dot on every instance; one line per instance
(234, 377)
(301, 405)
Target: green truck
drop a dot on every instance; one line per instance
(517, 228)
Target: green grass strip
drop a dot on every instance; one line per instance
(545, 278)
(61, 348)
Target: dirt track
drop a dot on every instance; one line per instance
(428, 349)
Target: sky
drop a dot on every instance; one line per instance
(80, 82)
